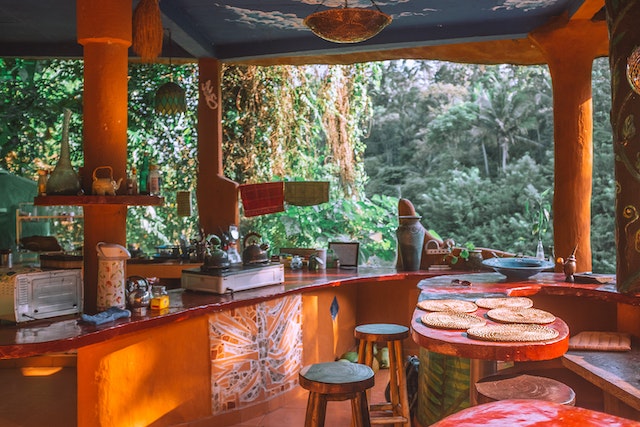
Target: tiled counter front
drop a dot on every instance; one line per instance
(256, 352)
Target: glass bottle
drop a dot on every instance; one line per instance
(132, 182)
(43, 177)
(540, 250)
(154, 180)
(144, 175)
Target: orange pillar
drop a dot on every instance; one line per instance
(104, 30)
(217, 196)
(625, 105)
(570, 54)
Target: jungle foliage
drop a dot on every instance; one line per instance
(471, 146)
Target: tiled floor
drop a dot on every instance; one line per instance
(338, 413)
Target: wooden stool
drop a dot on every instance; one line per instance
(336, 381)
(396, 411)
(496, 388)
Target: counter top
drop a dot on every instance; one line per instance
(67, 333)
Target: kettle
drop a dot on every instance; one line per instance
(255, 252)
(215, 258)
(138, 294)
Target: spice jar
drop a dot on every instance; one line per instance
(159, 297)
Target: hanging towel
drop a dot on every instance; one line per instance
(306, 193)
(261, 199)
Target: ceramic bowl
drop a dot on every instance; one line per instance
(518, 268)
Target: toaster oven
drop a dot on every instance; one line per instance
(33, 295)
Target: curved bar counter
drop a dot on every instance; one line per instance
(187, 352)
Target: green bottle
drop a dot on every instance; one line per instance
(143, 188)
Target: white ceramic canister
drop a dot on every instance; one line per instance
(112, 275)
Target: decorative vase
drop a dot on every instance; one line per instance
(64, 179)
(410, 234)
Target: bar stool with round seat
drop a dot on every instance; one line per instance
(336, 381)
(397, 410)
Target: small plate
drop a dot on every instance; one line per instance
(518, 268)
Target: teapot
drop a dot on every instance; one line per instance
(215, 258)
(254, 252)
(104, 186)
(138, 294)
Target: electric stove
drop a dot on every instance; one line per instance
(235, 278)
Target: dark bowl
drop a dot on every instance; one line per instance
(518, 268)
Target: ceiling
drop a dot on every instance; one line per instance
(270, 30)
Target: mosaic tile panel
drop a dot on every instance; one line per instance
(256, 352)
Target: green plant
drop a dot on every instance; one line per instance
(463, 253)
(540, 216)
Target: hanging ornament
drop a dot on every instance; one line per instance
(147, 30)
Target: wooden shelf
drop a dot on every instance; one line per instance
(138, 200)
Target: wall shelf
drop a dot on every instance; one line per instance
(138, 200)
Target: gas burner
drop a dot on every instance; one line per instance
(235, 278)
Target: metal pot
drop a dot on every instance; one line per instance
(138, 294)
(255, 251)
(215, 258)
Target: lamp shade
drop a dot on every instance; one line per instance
(170, 99)
(347, 25)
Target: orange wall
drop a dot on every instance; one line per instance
(161, 375)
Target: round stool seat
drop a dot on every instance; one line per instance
(381, 332)
(337, 381)
(336, 377)
(497, 388)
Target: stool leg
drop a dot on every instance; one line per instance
(402, 383)
(360, 410)
(362, 347)
(393, 377)
(316, 410)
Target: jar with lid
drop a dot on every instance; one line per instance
(43, 177)
(155, 181)
(159, 297)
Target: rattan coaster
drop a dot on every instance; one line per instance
(513, 302)
(513, 332)
(520, 315)
(452, 320)
(447, 305)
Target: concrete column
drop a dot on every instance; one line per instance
(104, 30)
(217, 196)
(570, 58)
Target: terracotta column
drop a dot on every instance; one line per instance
(570, 57)
(217, 196)
(104, 30)
(625, 107)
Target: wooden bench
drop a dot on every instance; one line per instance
(616, 373)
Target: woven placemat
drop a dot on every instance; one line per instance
(520, 315)
(600, 341)
(447, 305)
(512, 333)
(514, 302)
(452, 320)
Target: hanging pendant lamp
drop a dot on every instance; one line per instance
(347, 24)
(170, 97)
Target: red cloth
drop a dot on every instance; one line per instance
(261, 199)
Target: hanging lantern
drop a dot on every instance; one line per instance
(170, 99)
(347, 24)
